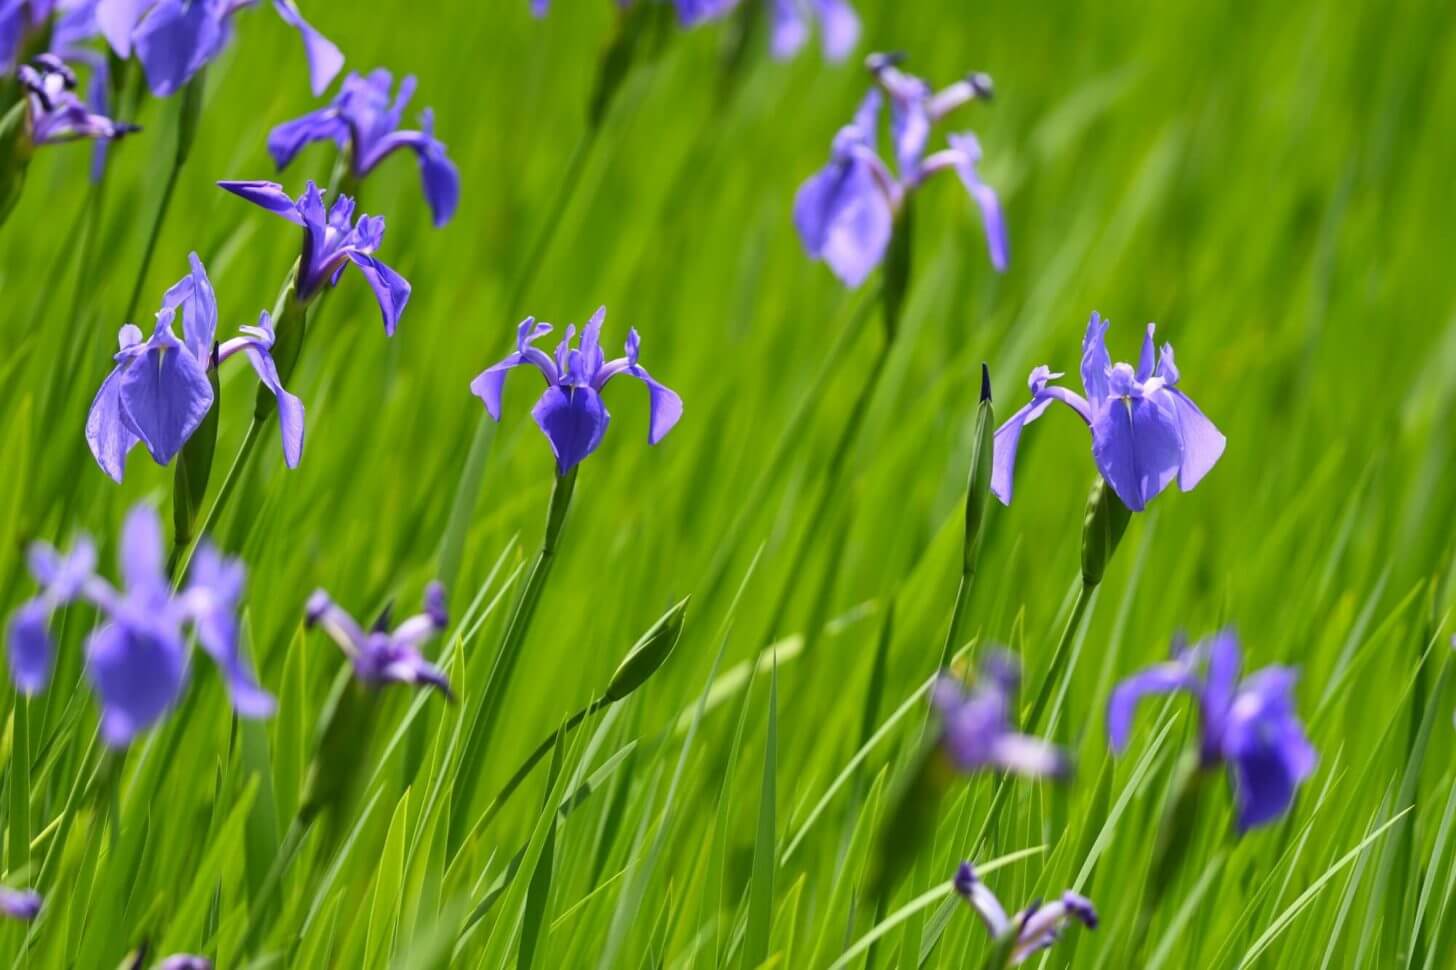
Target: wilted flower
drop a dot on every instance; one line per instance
(381, 656)
(21, 904)
(977, 733)
(1034, 928)
(571, 412)
(845, 213)
(1145, 431)
(1250, 726)
(55, 113)
(174, 39)
(137, 660)
(331, 240)
(159, 391)
(362, 120)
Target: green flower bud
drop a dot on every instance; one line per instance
(648, 654)
(1102, 530)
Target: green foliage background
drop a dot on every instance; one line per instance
(1270, 182)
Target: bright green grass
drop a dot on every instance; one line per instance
(1270, 182)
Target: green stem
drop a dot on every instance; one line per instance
(962, 596)
(183, 552)
(262, 907)
(462, 508)
(1059, 656)
(483, 724)
(532, 760)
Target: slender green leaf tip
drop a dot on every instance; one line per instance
(648, 654)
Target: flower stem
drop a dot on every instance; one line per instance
(262, 906)
(1059, 656)
(483, 723)
(962, 597)
(533, 759)
(185, 547)
(452, 545)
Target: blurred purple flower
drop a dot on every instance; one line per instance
(21, 904)
(976, 729)
(174, 39)
(1036, 927)
(331, 240)
(137, 660)
(20, 22)
(1250, 726)
(185, 961)
(159, 392)
(55, 114)
(1145, 431)
(380, 656)
(838, 24)
(571, 412)
(362, 120)
(845, 212)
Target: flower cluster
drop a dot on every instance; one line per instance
(1250, 726)
(137, 659)
(845, 214)
(159, 391)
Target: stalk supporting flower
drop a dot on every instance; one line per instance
(975, 734)
(363, 122)
(175, 40)
(1035, 928)
(1250, 727)
(19, 904)
(570, 411)
(159, 392)
(137, 659)
(846, 214)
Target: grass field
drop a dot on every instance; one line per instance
(1270, 183)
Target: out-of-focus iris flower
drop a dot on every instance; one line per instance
(1034, 928)
(137, 659)
(363, 121)
(571, 412)
(159, 391)
(21, 904)
(332, 239)
(845, 214)
(381, 656)
(55, 114)
(1145, 431)
(174, 39)
(1251, 726)
(976, 729)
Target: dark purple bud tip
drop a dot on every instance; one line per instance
(965, 879)
(318, 605)
(985, 382)
(383, 620)
(878, 62)
(1080, 907)
(435, 605)
(52, 64)
(981, 83)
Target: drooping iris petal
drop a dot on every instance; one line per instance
(289, 138)
(165, 394)
(106, 433)
(844, 218)
(1137, 448)
(1203, 444)
(214, 587)
(117, 19)
(984, 197)
(324, 59)
(839, 27)
(138, 675)
(266, 195)
(574, 420)
(175, 40)
(391, 290)
(1160, 679)
(789, 31)
(1005, 446)
(30, 650)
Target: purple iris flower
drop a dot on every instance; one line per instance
(21, 904)
(1036, 927)
(838, 24)
(56, 115)
(381, 656)
(159, 392)
(185, 961)
(331, 240)
(174, 39)
(20, 20)
(362, 119)
(1145, 431)
(845, 213)
(137, 660)
(571, 412)
(1250, 726)
(976, 729)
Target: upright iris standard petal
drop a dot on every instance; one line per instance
(1145, 433)
(1251, 727)
(570, 412)
(790, 29)
(194, 296)
(175, 40)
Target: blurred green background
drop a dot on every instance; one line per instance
(1270, 183)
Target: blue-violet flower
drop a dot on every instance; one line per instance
(976, 729)
(381, 656)
(1036, 927)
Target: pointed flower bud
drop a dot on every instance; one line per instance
(648, 654)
